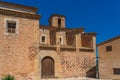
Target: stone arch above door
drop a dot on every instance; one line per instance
(57, 63)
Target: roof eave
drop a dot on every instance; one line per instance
(19, 14)
(34, 9)
(107, 41)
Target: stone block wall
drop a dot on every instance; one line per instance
(17, 51)
(67, 63)
(45, 32)
(76, 64)
(109, 59)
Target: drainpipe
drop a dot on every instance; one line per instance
(97, 67)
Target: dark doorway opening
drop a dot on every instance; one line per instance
(91, 73)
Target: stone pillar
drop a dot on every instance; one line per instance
(48, 38)
(78, 41)
(58, 41)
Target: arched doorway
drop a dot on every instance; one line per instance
(47, 67)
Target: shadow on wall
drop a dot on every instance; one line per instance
(91, 73)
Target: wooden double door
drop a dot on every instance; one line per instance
(47, 67)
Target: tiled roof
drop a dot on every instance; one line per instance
(19, 14)
(59, 15)
(18, 6)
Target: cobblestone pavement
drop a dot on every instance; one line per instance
(76, 79)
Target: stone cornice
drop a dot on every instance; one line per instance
(86, 49)
(57, 15)
(77, 30)
(91, 33)
(19, 14)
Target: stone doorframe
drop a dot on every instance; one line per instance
(57, 62)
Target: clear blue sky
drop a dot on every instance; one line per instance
(100, 16)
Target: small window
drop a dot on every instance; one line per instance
(11, 26)
(108, 48)
(116, 71)
(43, 38)
(61, 40)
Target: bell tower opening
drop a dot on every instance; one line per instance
(59, 22)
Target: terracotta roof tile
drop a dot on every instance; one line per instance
(18, 6)
(19, 14)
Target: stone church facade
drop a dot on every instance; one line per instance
(31, 51)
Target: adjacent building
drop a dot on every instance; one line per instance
(109, 57)
(31, 51)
